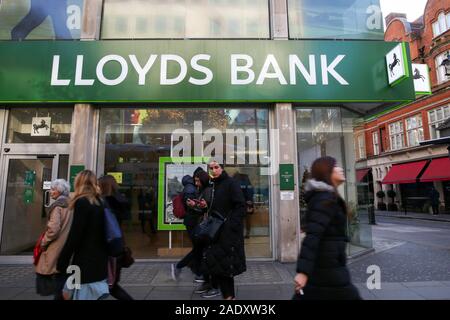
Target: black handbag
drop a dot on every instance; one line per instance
(208, 230)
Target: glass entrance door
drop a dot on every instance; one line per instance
(26, 194)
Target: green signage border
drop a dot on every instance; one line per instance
(406, 66)
(163, 161)
(149, 71)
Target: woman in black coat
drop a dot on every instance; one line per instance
(321, 267)
(225, 258)
(86, 246)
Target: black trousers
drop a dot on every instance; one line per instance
(225, 284)
(435, 208)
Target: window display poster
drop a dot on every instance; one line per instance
(170, 185)
(40, 19)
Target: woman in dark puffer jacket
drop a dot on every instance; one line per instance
(321, 267)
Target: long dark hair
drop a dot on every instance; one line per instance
(322, 169)
(108, 186)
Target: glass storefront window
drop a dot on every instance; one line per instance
(338, 19)
(330, 132)
(40, 19)
(153, 19)
(39, 125)
(134, 142)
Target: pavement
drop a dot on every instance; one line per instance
(410, 271)
(443, 217)
(262, 281)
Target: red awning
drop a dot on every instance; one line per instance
(438, 170)
(360, 174)
(404, 173)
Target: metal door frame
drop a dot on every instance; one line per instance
(3, 184)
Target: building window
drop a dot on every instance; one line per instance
(376, 143)
(360, 19)
(187, 19)
(39, 125)
(133, 144)
(442, 24)
(414, 130)
(396, 135)
(331, 132)
(435, 118)
(443, 67)
(361, 147)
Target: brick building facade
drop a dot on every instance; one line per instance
(392, 138)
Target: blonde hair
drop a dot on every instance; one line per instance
(86, 186)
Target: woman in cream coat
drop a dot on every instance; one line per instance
(48, 280)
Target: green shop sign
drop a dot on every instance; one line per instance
(198, 70)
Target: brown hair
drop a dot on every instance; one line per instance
(108, 185)
(322, 169)
(86, 186)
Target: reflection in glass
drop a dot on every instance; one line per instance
(132, 141)
(329, 132)
(25, 215)
(21, 130)
(181, 19)
(337, 19)
(40, 19)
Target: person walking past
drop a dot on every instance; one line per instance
(322, 273)
(225, 257)
(48, 279)
(119, 206)
(189, 195)
(86, 247)
(434, 198)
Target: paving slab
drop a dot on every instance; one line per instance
(10, 293)
(423, 284)
(30, 294)
(433, 293)
(395, 294)
(138, 293)
(170, 293)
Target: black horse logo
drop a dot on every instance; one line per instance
(417, 75)
(41, 126)
(393, 64)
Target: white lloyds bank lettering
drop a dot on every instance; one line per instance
(329, 69)
(235, 69)
(142, 71)
(79, 81)
(55, 71)
(101, 65)
(242, 70)
(207, 72)
(277, 74)
(165, 58)
(296, 63)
